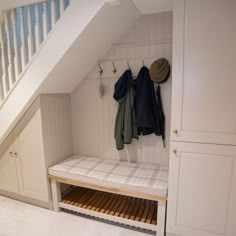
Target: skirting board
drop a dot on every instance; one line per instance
(26, 199)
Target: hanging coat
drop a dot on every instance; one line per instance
(125, 125)
(149, 117)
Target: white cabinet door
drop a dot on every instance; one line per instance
(201, 190)
(204, 70)
(8, 175)
(31, 162)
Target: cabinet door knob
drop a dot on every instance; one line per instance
(175, 131)
(15, 153)
(175, 151)
(11, 154)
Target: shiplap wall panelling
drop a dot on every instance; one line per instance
(56, 116)
(93, 118)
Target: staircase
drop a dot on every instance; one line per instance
(49, 47)
(22, 32)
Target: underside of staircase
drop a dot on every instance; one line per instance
(70, 46)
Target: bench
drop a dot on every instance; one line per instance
(134, 194)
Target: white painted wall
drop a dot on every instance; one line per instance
(93, 118)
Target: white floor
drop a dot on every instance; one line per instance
(20, 219)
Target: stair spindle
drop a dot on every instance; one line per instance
(30, 36)
(1, 84)
(16, 54)
(11, 78)
(62, 7)
(53, 12)
(45, 20)
(4, 72)
(23, 48)
(37, 27)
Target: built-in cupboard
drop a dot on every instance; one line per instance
(41, 139)
(202, 175)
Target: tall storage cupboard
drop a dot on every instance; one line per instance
(202, 181)
(39, 140)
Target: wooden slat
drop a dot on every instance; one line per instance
(70, 197)
(124, 207)
(145, 212)
(97, 205)
(84, 199)
(107, 203)
(87, 203)
(154, 217)
(108, 189)
(150, 214)
(130, 209)
(113, 203)
(136, 209)
(140, 211)
(94, 200)
(117, 204)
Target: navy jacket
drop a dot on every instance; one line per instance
(149, 114)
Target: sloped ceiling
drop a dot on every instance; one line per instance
(153, 6)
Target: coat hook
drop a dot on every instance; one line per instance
(114, 68)
(128, 65)
(143, 62)
(101, 70)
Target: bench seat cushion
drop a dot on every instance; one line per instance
(140, 177)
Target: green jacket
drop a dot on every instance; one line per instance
(125, 126)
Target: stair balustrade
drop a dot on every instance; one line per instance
(22, 32)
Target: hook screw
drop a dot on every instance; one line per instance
(114, 68)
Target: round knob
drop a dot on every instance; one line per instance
(175, 151)
(15, 153)
(175, 131)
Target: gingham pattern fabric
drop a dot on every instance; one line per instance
(146, 176)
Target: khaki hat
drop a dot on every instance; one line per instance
(159, 70)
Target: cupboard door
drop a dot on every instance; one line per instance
(200, 189)
(204, 69)
(8, 176)
(30, 161)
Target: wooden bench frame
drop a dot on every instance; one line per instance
(161, 209)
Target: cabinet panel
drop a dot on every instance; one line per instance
(31, 163)
(204, 68)
(8, 176)
(200, 188)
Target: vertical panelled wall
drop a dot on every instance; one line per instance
(93, 118)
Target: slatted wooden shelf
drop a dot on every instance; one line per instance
(118, 208)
